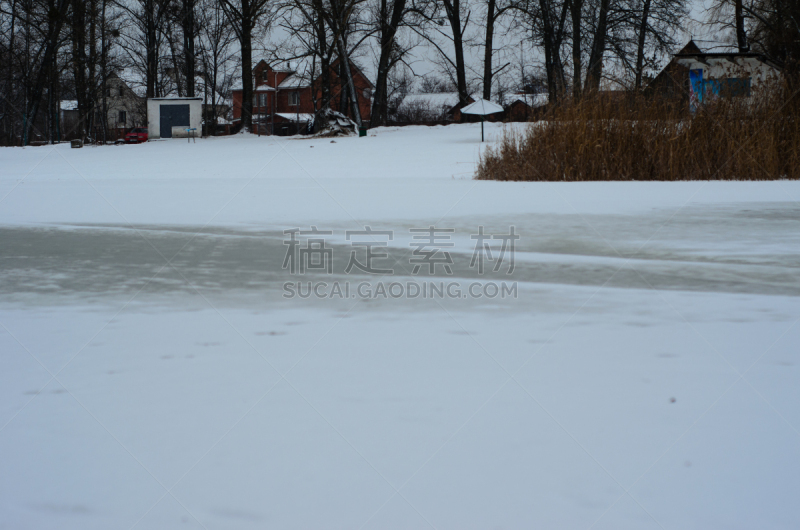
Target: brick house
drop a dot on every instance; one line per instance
(285, 100)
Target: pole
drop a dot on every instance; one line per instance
(481, 127)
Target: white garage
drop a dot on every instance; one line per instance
(171, 117)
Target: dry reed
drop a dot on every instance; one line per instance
(634, 138)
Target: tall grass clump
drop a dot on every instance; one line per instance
(638, 138)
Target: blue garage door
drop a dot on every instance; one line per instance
(173, 116)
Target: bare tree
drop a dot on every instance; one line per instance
(188, 24)
(245, 17)
(775, 30)
(432, 84)
(215, 40)
(143, 37)
(595, 66)
(341, 16)
(323, 30)
(83, 92)
(458, 15)
(576, 14)
(456, 19)
(391, 15)
(547, 19)
(494, 11)
(55, 15)
(660, 19)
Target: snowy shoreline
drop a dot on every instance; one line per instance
(151, 374)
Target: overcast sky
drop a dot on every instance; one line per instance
(422, 59)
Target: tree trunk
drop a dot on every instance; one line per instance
(79, 62)
(324, 58)
(188, 45)
(246, 40)
(10, 69)
(104, 71)
(557, 63)
(741, 36)
(175, 63)
(151, 48)
(26, 72)
(92, 66)
(576, 9)
(344, 92)
(215, 73)
(389, 26)
(51, 100)
(487, 51)
(552, 54)
(345, 62)
(453, 10)
(595, 70)
(640, 47)
(380, 97)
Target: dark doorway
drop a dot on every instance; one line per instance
(173, 116)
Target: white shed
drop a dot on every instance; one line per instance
(171, 117)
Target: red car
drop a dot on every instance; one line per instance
(136, 136)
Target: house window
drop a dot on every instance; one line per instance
(266, 77)
(294, 98)
(726, 88)
(736, 87)
(262, 100)
(122, 117)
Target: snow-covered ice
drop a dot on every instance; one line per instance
(152, 375)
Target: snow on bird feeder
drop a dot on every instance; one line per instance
(482, 108)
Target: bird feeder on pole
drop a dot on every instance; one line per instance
(482, 108)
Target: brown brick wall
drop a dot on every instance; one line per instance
(306, 101)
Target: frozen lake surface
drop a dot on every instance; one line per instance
(152, 374)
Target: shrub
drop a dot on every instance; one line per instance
(416, 112)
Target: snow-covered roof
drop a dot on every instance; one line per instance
(69, 104)
(299, 118)
(300, 74)
(482, 107)
(176, 98)
(132, 78)
(532, 100)
(296, 80)
(441, 99)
